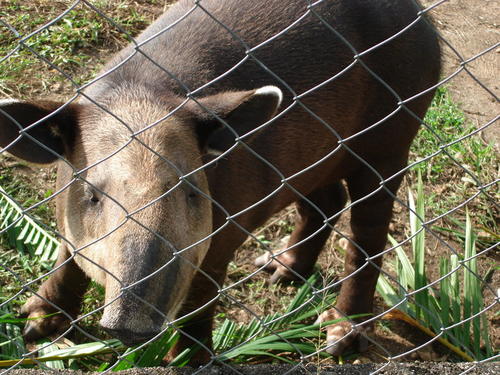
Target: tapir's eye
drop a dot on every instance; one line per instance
(94, 198)
(190, 190)
(93, 195)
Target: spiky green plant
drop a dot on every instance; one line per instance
(457, 300)
(11, 342)
(23, 233)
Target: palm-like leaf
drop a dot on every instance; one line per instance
(23, 233)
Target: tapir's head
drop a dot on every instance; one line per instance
(133, 199)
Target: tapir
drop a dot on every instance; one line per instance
(217, 116)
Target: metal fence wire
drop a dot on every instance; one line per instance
(238, 130)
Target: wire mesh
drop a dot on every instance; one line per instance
(189, 154)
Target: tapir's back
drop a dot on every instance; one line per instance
(348, 61)
(277, 42)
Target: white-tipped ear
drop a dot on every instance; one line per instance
(271, 91)
(243, 111)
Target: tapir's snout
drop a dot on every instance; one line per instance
(134, 299)
(131, 326)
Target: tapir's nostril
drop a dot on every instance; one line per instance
(128, 337)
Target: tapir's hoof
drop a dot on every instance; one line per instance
(286, 266)
(40, 325)
(342, 335)
(281, 270)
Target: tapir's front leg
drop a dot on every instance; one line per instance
(202, 297)
(62, 294)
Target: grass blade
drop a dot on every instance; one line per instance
(444, 292)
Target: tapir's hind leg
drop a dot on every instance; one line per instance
(307, 239)
(64, 289)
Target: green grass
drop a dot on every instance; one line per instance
(447, 123)
(77, 44)
(463, 162)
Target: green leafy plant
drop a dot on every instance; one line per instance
(459, 298)
(23, 233)
(11, 342)
(265, 337)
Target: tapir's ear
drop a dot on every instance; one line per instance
(242, 110)
(55, 132)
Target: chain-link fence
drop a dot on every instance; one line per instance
(204, 168)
